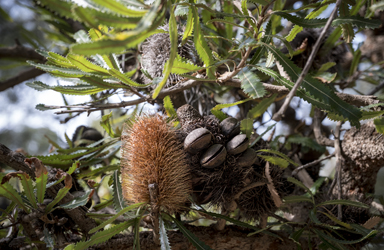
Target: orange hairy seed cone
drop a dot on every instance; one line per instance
(151, 153)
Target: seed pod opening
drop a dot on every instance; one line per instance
(197, 140)
(238, 144)
(214, 156)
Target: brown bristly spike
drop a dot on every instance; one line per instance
(151, 153)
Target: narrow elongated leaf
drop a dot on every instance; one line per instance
(276, 161)
(201, 45)
(103, 236)
(357, 21)
(306, 23)
(113, 218)
(246, 127)
(296, 198)
(94, 18)
(62, 8)
(125, 79)
(173, 36)
(317, 89)
(119, 8)
(69, 89)
(168, 106)
(189, 27)
(79, 201)
(332, 239)
(56, 69)
(251, 84)
(260, 108)
(219, 114)
(60, 195)
(118, 199)
(300, 184)
(100, 83)
(165, 245)
(26, 182)
(295, 236)
(343, 202)
(41, 181)
(59, 60)
(279, 154)
(48, 238)
(189, 235)
(379, 123)
(267, 38)
(306, 142)
(337, 221)
(182, 66)
(7, 191)
(84, 65)
(377, 6)
(262, 134)
(106, 124)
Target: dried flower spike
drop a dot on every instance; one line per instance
(151, 153)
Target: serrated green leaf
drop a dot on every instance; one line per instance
(70, 90)
(189, 27)
(365, 115)
(343, 202)
(26, 182)
(55, 69)
(201, 45)
(267, 38)
(348, 33)
(62, 8)
(106, 124)
(246, 127)
(136, 232)
(113, 218)
(337, 221)
(271, 151)
(189, 235)
(260, 108)
(79, 201)
(118, 199)
(317, 89)
(84, 65)
(357, 21)
(94, 18)
(41, 184)
(7, 191)
(276, 161)
(251, 84)
(60, 195)
(59, 60)
(119, 8)
(173, 36)
(181, 66)
(163, 236)
(300, 184)
(379, 124)
(103, 236)
(306, 142)
(219, 114)
(168, 106)
(125, 79)
(296, 198)
(100, 83)
(306, 23)
(103, 205)
(128, 39)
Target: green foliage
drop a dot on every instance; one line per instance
(118, 200)
(251, 84)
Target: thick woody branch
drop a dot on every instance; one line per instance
(352, 99)
(22, 53)
(21, 77)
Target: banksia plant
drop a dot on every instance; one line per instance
(152, 154)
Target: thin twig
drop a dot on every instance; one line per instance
(277, 116)
(377, 88)
(322, 140)
(250, 186)
(294, 172)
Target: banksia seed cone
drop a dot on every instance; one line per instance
(151, 153)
